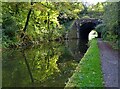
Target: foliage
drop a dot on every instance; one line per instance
(93, 11)
(71, 12)
(39, 21)
(88, 72)
(50, 20)
(101, 29)
(110, 19)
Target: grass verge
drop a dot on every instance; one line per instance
(88, 72)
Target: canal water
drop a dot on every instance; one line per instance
(47, 65)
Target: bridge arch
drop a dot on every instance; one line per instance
(81, 28)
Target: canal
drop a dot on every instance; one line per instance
(45, 65)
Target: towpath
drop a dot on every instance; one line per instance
(109, 63)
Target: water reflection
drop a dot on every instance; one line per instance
(47, 65)
(77, 48)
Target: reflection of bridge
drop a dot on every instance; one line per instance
(77, 48)
(81, 28)
(78, 36)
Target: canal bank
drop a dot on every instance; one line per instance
(88, 72)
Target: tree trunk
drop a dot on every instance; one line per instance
(48, 21)
(28, 67)
(27, 20)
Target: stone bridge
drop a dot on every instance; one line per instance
(82, 27)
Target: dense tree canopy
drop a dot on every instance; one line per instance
(37, 20)
(110, 27)
(25, 22)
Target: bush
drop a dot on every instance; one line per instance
(100, 27)
(9, 26)
(110, 18)
(101, 30)
(9, 30)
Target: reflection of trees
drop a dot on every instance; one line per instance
(30, 65)
(44, 65)
(43, 62)
(14, 72)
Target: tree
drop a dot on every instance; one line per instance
(111, 22)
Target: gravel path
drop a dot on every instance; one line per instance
(109, 59)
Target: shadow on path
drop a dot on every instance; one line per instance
(109, 62)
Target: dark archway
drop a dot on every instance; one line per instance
(85, 29)
(82, 27)
(87, 25)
